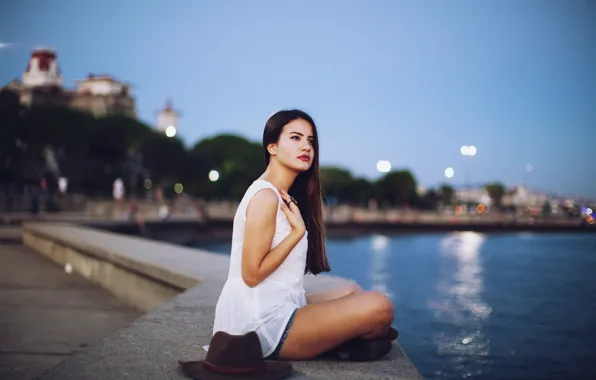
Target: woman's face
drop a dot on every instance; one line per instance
(295, 148)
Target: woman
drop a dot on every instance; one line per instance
(278, 236)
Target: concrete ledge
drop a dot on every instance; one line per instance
(142, 285)
(135, 254)
(181, 325)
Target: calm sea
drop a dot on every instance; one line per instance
(483, 306)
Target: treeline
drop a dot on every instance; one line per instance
(49, 142)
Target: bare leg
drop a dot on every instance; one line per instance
(333, 293)
(320, 327)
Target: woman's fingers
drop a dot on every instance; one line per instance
(293, 215)
(289, 206)
(288, 198)
(289, 213)
(293, 207)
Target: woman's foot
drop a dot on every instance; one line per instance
(392, 334)
(361, 350)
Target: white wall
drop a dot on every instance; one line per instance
(35, 77)
(100, 87)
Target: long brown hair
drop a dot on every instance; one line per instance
(306, 189)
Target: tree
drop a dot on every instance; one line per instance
(91, 152)
(446, 194)
(50, 141)
(361, 191)
(428, 201)
(67, 134)
(11, 148)
(546, 208)
(114, 145)
(336, 183)
(238, 161)
(164, 158)
(46, 136)
(495, 191)
(397, 187)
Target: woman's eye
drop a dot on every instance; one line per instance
(295, 138)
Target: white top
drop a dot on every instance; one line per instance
(267, 307)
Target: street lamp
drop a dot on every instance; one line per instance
(528, 168)
(468, 150)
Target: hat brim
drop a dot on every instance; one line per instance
(274, 370)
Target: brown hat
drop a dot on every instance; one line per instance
(235, 357)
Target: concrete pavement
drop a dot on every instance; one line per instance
(10, 235)
(46, 314)
(179, 326)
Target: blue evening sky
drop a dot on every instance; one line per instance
(406, 81)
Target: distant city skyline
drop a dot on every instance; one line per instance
(407, 82)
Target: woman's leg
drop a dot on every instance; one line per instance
(320, 327)
(333, 293)
(338, 292)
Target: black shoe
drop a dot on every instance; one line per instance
(362, 350)
(392, 334)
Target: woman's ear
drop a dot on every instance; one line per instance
(272, 149)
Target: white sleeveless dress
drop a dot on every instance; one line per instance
(267, 307)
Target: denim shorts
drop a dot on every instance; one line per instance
(275, 354)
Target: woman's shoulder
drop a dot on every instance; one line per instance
(262, 193)
(261, 184)
(264, 197)
(261, 200)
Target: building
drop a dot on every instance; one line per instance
(473, 195)
(99, 95)
(167, 120)
(521, 196)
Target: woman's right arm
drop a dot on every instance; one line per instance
(258, 259)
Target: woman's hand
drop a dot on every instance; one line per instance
(290, 208)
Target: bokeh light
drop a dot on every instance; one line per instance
(171, 131)
(384, 166)
(468, 150)
(449, 172)
(213, 175)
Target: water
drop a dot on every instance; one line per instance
(483, 306)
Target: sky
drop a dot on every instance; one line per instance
(404, 81)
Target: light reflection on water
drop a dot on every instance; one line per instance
(458, 306)
(379, 274)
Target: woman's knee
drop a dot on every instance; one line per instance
(380, 306)
(353, 288)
